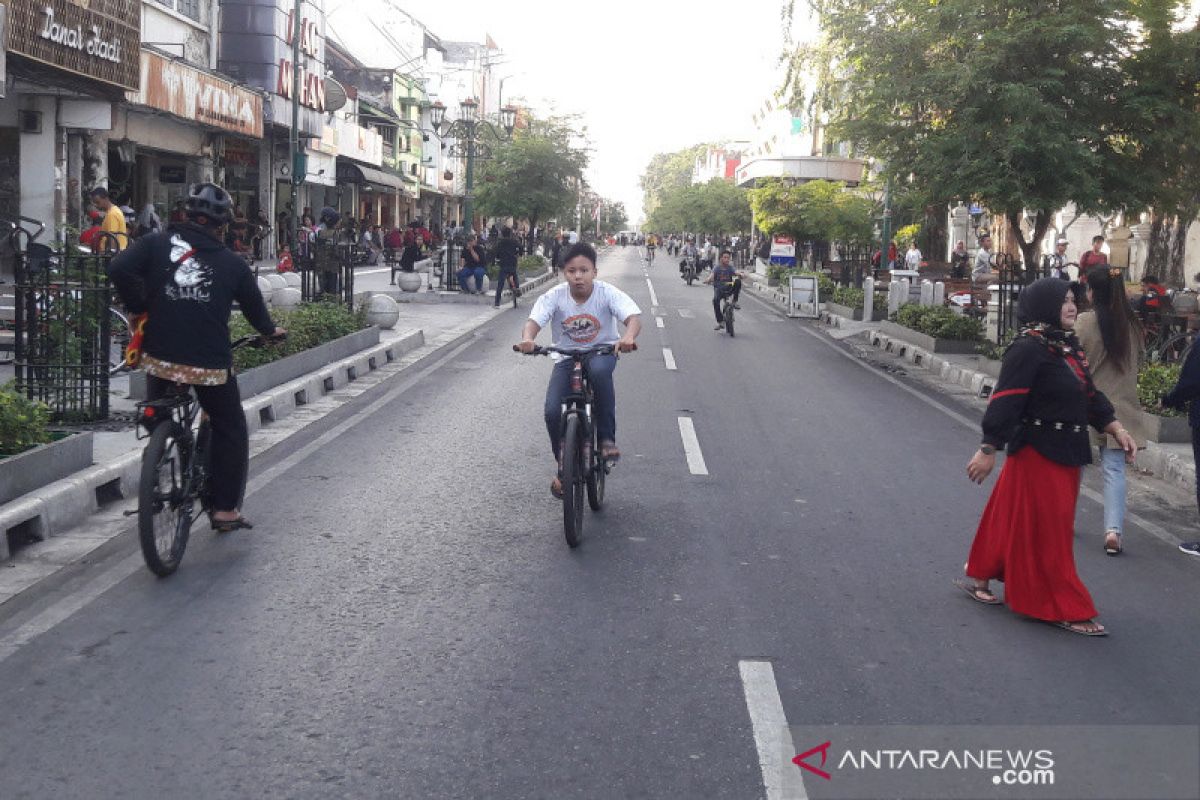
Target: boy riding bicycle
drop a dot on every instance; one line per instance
(725, 280)
(583, 313)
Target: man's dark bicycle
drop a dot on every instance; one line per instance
(512, 285)
(727, 307)
(174, 471)
(582, 466)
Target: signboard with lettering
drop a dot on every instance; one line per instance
(783, 250)
(187, 92)
(98, 39)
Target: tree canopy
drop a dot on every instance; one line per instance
(667, 172)
(1008, 104)
(716, 207)
(535, 176)
(814, 211)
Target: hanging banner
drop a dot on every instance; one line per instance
(183, 90)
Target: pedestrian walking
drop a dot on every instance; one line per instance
(1093, 257)
(1186, 394)
(1111, 337)
(1040, 408)
(505, 255)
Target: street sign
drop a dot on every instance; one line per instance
(804, 296)
(783, 251)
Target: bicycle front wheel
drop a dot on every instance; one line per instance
(164, 508)
(572, 481)
(728, 313)
(597, 471)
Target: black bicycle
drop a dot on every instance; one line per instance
(688, 270)
(174, 471)
(727, 307)
(582, 469)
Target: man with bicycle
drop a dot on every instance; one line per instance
(186, 281)
(583, 313)
(505, 254)
(725, 280)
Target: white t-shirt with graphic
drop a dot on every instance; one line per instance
(587, 324)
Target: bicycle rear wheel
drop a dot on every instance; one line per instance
(164, 507)
(572, 481)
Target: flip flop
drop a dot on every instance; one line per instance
(974, 592)
(1074, 627)
(228, 525)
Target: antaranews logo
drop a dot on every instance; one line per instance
(1008, 767)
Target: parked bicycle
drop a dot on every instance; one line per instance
(582, 469)
(174, 471)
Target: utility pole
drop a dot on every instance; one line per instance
(294, 134)
(887, 224)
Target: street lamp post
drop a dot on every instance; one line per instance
(472, 136)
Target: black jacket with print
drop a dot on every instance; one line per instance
(1036, 384)
(187, 281)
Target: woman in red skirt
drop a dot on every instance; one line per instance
(1040, 409)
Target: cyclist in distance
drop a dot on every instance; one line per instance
(724, 278)
(583, 313)
(186, 280)
(651, 244)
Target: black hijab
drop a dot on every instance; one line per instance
(1041, 302)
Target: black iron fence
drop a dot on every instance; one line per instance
(1010, 281)
(64, 348)
(327, 271)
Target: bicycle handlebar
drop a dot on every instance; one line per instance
(256, 341)
(599, 350)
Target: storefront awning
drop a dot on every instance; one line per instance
(361, 173)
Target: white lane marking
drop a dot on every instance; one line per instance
(659, 322)
(1155, 530)
(63, 609)
(781, 778)
(687, 313)
(669, 358)
(691, 447)
(653, 296)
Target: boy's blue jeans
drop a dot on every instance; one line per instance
(604, 409)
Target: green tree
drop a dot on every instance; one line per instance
(716, 207)
(1006, 103)
(813, 211)
(667, 172)
(535, 176)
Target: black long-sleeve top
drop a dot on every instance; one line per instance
(506, 253)
(1037, 385)
(187, 281)
(1187, 390)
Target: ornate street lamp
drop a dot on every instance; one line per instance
(472, 136)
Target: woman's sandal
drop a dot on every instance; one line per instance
(228, 525)
(1111, 549)
(1078, 627)
(980, 594)
(977, 593)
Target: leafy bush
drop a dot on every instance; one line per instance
(531, 263)
(1154, 381)
(308, 325)
(22, 422)
(848, 296)
(940, 322)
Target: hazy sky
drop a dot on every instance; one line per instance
(647, 75)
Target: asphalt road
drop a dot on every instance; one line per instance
(406, 620)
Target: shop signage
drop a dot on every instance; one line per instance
(357, 142)
(187, 92)
(312, 83)
(97, 39)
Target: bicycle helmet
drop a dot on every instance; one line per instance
(211, 202)
(329, 217)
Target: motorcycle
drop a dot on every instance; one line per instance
(688, 269)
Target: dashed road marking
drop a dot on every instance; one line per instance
(659, 322)
(691, 447)
(669, 358)
(653, 296)
(687, 313)
(781, 778)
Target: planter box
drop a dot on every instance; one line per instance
(845, 311)
(268, 376)
(925, 342)
(44, 465)
(1167, 430)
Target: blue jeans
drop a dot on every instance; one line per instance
(465, 274)
(1112, 464)
(502, 281)
(604, 408)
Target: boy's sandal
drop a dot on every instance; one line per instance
(1079, 627)
(609, 452)
(556, 487)
(977, 593)
(228, 525)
